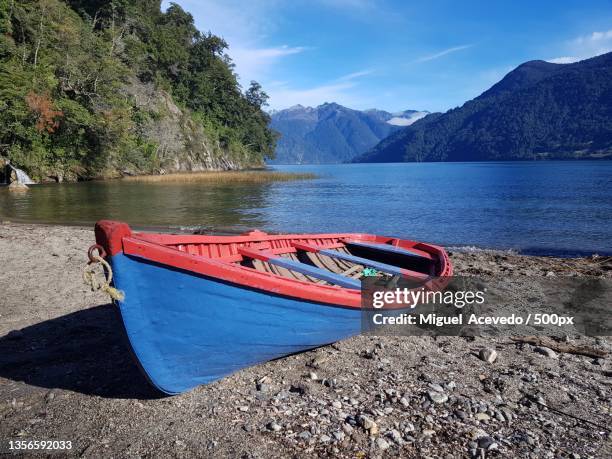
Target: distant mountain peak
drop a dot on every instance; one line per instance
(332, 133)
(539, 110)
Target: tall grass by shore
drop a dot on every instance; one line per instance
(219, 177)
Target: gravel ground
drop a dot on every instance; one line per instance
(65, 374)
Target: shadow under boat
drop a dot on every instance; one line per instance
(85, 351)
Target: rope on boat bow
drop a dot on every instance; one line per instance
(91, 279)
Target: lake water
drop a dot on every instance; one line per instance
(562, 208)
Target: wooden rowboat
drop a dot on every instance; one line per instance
(197, 308)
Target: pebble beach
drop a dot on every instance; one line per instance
(67, 375)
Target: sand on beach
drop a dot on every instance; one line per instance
(66, 374)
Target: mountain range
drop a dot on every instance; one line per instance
(331, 133)
(540, 110)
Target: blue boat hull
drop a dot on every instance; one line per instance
(187, 330)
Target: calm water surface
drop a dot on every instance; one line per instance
(536, 207)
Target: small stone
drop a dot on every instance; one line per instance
(507, 414)
(475, 434)
(436, 387)
(368, 354)
(337, 405)
(488, 355)
(487, 443)
(339, 436)
(243, 408)
(429, 432)
(366, 422)
(483, 417)
(317, 361)
(395, 436)
(274, 426)
(325, 438)
(438, 397)
(404, 402)
(305, 435)
(262, 387)
(546, 351)
(50, 397)
(312, 375)
(382, 443)
(461, 414)
(17, 186)
(409, 427)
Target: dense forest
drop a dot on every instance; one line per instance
(103, 88)
(539, 110)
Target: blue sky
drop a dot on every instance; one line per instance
(395, 55)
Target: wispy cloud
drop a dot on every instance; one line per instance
(254, 63)
(340, 90)
(443, 53)
(586, 46)
(245, 26)
(355, 75)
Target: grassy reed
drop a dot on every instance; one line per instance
(221, 177)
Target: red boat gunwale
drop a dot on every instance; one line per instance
(117, 237)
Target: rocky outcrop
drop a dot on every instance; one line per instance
(17, 186)
(181, 143)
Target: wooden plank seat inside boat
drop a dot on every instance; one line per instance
(391, 249)
(303, 268)
(383, 267)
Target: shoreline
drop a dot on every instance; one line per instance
(565, 254)
(66, 374)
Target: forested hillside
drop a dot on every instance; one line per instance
(331, 133)
(538, 111)
(100, 88)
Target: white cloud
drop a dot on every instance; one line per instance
(586, 46)
(564, 60)
(595, 37)
(256, 63)
(442, 53)
(355, 75)
(244, 26)
(340, 90)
